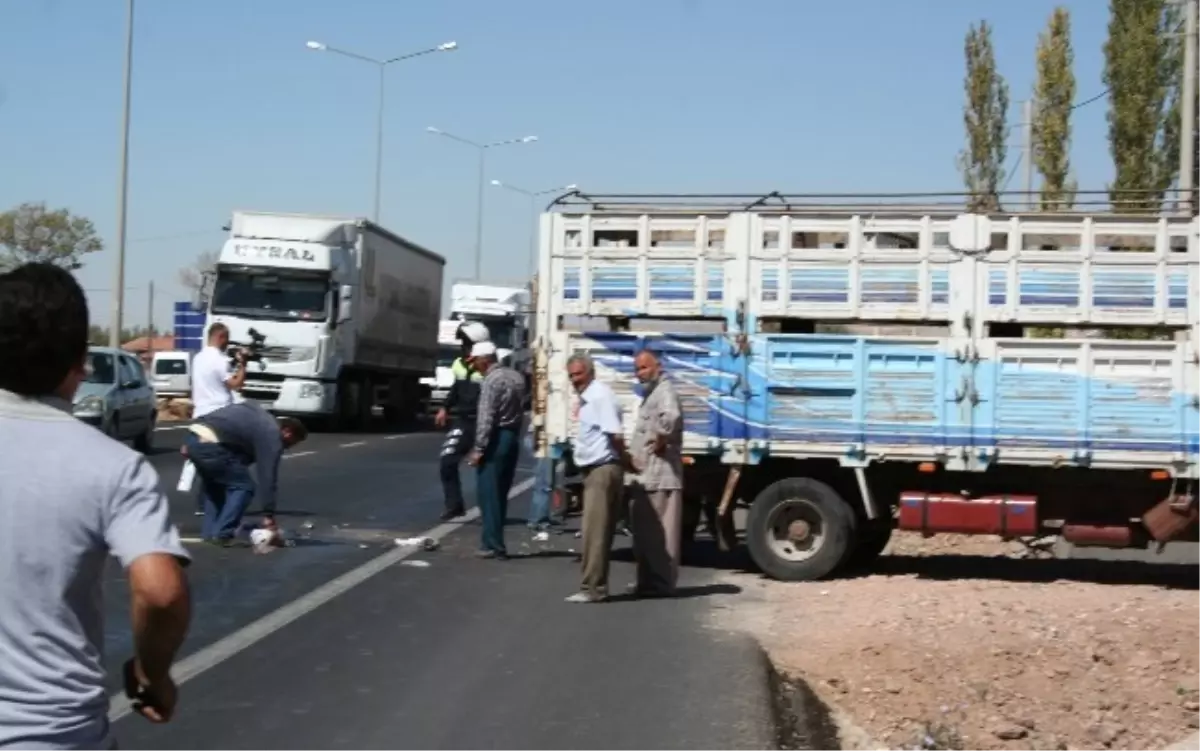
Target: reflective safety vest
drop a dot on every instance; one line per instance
(462, 372)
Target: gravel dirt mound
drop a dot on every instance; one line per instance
(961, 643)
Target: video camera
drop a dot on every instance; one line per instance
(253, 350)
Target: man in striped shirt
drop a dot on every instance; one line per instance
(497, 444)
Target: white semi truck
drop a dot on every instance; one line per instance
(345, 314)
(504, 308)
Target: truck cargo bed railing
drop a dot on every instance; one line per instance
(1080, 269)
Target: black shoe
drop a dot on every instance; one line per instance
(452, 514)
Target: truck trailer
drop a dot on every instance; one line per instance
(845, 372)
(342, 315)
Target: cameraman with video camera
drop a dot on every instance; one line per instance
(215, 379)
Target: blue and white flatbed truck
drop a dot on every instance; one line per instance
(847, 371)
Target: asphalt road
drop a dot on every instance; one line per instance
(460, 653)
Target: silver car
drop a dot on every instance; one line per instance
(117, 398)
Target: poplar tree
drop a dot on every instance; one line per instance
(1053, 100)
(985, 116)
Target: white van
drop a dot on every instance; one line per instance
(171, 374)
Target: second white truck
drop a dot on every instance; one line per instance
(343, 315)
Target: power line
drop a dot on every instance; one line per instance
(1086, 102)
(176, 236)
(1011, 172)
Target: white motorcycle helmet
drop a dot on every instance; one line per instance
(473, 332)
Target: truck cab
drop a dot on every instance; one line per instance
(346, 312)
(505, 310)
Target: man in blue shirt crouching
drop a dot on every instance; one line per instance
(223, 444)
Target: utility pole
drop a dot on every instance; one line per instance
(150, 321)
(114, 336)
(1027, 115)
(1187, 133)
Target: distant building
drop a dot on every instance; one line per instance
(145, 347)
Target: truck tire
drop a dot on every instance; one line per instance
(799, 529)
(690, 519)
(873, 537)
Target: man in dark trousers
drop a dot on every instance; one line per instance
(223, 444)
(497, 444)
(460, 411)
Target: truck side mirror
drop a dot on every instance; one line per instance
(345, 301)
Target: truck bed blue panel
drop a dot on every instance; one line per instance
(1057, 398)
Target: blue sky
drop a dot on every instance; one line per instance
(232, 111)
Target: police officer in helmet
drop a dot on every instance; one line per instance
(460, 412)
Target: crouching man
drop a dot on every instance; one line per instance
(223, 444)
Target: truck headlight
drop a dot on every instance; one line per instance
(311, 390)
(89, 405)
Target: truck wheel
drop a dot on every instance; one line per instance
(690, 520)
(873, 537)
(145, 442)
(799, 529)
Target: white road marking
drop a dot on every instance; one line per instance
(398, 435)
(352, 444)
(219, 651)
(159, 428)
(299, 454)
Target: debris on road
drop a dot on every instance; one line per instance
(413, 563)
(541, 537)
(988, 650)
(425, 543)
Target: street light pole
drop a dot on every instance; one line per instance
(379, 146)
(114, 335)
(533, 195)
(479, 218)
(483, 149)
(381, 65)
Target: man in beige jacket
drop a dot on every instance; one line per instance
(656, 492)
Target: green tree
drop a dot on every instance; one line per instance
(1143, 63)
(985, 116)
(1053, 98)
(198, 277)
(31, 232)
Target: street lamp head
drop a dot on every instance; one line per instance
(529, 139)
(316, 46)
(572, 186)
(432, 129)
(447, 46)
(497, 183)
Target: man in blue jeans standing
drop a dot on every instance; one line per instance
(497, 444)
(223, 444)
(542, 515)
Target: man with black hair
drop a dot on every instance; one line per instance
(462, 405)
(223, 444)
(71, 496)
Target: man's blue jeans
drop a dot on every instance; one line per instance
(540, 512)
(226, 488)
(493, 481)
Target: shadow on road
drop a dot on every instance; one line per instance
(684, 593)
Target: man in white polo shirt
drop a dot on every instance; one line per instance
(601, 456)
(214, 382)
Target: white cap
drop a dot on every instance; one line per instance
(483, 349)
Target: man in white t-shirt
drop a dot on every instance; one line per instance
(214, 381)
